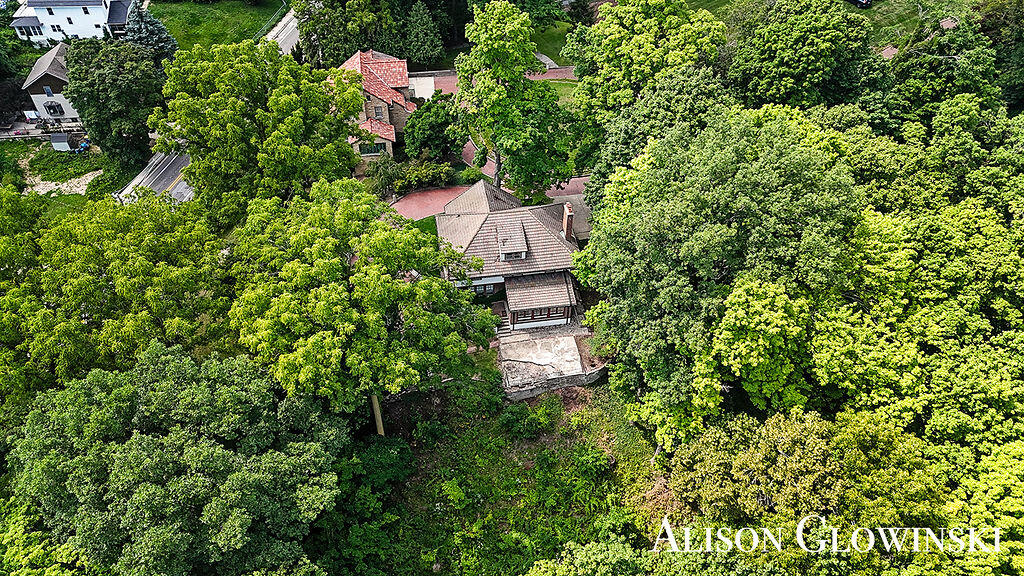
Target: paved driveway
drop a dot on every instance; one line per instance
(419, 205)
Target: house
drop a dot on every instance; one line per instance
(387, 103)
(45, 84)
(44, 22)
(526, 253)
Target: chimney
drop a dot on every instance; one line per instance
(567, 221)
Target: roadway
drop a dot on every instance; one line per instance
(162, 174)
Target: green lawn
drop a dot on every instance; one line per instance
(222, 22)
(550, 41)
(428, 225)
(564, 88)
(61, 205)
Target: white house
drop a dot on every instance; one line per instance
(47, 21)
(45, 84)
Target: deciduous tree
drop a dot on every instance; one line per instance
(256, 124)
(342, 298)
(178, 468)
(114, 86)
(519, 118)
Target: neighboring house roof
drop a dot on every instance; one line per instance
(481, 198)
(581, 214)
(540, 291)
(533, 229)
(118, 13)
(49, 64)
(382, 74)
(25, 21)
(379, 129)
(54, 3)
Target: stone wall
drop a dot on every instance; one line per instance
(536, 389)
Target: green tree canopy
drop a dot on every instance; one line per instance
(342, 298)
(256, 124)
(799, 52)
(110, 279)
(518, 118)
(178, 468)
(433, 130)
(758, 195)
(114, 86)
(422, 39)
(633, 44)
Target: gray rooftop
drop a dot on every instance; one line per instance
(25, 21)
(540, 291)
(481, 198)
(55, 3)
(118, 13)
(49, 64)
(480, 235)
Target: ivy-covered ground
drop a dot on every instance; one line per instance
(496, 487)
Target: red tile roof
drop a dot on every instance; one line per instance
(378, 128)
(382, 74)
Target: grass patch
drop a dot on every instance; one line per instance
(551, 40)
(220, 22)
(11, 172)
(428, 225)
(53, 166)
(564, 89)
(58, 207)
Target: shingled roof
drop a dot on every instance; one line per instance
(51, 63)
(382, 74)
(483, 218)
(540, 290)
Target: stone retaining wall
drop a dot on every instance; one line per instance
(553, 384)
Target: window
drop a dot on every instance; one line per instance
(56, 28)
(478, 289)
(75, 36)
(53, 109)
(49, 11)
(29, 31)
(85, 9)
(69, 21)
(378, 112)
(489, 289)
(48, 91)
(375, 148)
(95, 25)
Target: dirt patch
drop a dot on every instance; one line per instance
(73, 186)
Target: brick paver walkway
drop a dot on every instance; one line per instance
(419, 205)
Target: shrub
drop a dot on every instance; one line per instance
(113, 178)
(468, 176)
(420, 174)
(525, 424)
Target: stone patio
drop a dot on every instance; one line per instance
(537, 361)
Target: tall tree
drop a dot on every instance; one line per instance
(799, 52)
(433, 130)
(256, 124)
(422, 39)
(343, 299)
(114, 86)
(144, 30)
(518, 118)
(757, 195)
(332, 30)
(633, 44)
(109, 279)
(178, 468)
